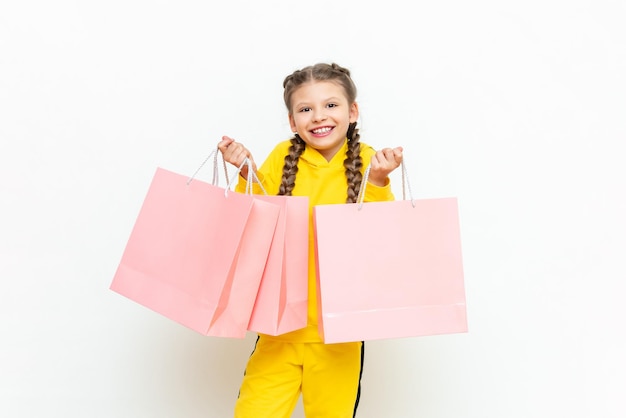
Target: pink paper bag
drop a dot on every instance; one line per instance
(281, 303)
(196, 254)
(389, 269)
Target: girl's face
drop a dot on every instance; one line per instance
(320, 114)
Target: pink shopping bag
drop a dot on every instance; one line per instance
(281, 304)
(389, 269)
(196, 254)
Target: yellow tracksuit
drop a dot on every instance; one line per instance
(328, 375)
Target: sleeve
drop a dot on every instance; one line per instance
(375, 193)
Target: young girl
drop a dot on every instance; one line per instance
(324, 160)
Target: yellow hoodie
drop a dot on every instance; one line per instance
(324, 182)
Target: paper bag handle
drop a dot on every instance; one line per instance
(251, 176)
(405, 185)
(215, 179)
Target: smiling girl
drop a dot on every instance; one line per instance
(324, 160)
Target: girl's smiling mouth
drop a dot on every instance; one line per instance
(322, 131)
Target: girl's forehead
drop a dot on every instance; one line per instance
(318, 90)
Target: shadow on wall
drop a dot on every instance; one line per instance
(194, 375)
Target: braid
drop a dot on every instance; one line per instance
(353, 163)
(339, 68)
(290, 168)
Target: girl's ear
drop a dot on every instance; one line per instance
(354, 112)
(292, 124)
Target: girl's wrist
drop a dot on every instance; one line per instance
(378, 182)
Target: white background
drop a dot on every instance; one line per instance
(516, 108)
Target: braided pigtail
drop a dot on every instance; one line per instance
(353, 163)
(290, 168)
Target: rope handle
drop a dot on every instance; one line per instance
(215, 179)
(405, 185)
(250, 178)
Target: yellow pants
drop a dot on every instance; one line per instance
(327, 375)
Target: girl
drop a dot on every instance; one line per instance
(324, 160)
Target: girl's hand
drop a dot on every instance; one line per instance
(235, 153)
(384, 162)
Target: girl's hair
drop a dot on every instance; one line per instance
(353, 162)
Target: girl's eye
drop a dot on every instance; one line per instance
(331, 105)
(305, 109)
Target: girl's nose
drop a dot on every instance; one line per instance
(319, 115)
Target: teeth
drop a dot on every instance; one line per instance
(321, 130)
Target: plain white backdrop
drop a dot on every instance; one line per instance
(516, 108)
